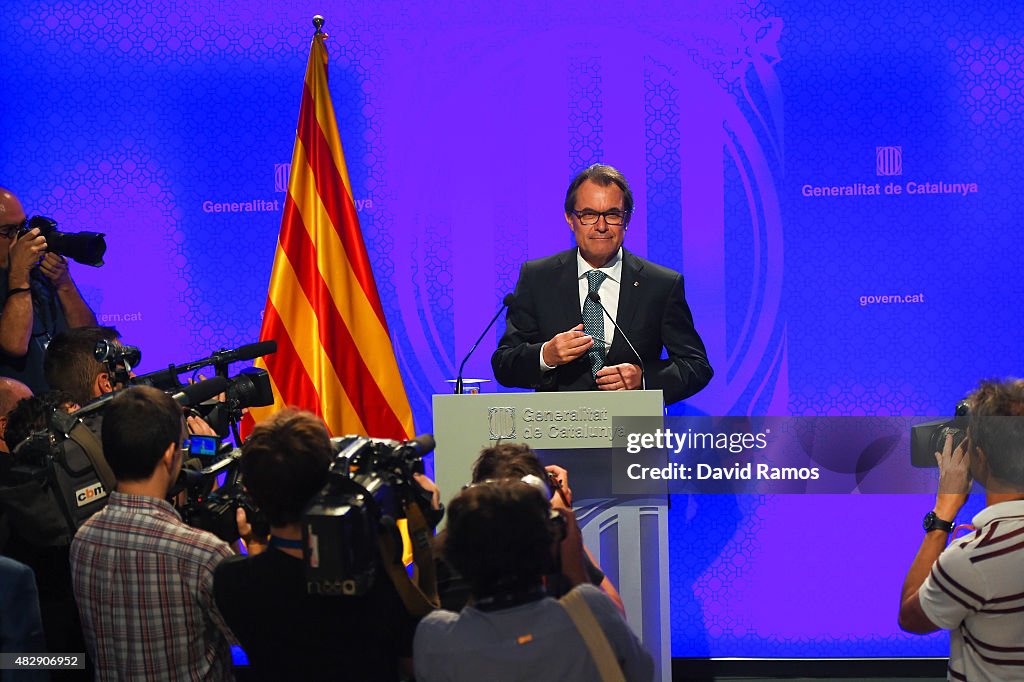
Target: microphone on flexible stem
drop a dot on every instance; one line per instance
(505, 302)
(593, 296)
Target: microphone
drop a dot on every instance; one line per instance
(193, 394)
(505, 302)
(167, 379)
(593, 296)
(250, 351)
(417, 447)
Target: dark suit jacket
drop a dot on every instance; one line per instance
(21, 627)
(652, 312)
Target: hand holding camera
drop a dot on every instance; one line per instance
(25, 253)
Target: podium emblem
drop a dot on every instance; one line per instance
(502, 422)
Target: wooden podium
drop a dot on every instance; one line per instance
(627, 536)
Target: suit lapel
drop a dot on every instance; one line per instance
(629, 296)
(567, 291)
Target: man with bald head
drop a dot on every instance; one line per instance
(11, 391)
(38, 298)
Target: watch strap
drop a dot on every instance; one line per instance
(933, 522)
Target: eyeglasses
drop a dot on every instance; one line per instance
(12, 229)
(612, 217)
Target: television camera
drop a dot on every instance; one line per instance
(370, 483)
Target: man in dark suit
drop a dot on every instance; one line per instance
(557, 337)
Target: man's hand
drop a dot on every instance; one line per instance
(25, 254)
(253, 544)
(954, 478)
(567, 346)
(430, 487)
(198, 426)
(56, 270)
(624, 377)
(562, 496)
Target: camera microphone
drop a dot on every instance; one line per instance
(250, 351)
(593, 296)
(417, 447)
(200, 392)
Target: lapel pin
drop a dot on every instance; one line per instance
(636, 284)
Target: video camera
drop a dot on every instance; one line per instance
(214, 510)
(928, 438)
(249, 388)
(371, 479)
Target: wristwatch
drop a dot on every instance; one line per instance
(933, 522)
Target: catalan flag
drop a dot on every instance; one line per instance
(334, 356)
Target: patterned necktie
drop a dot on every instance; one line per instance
(593, 322)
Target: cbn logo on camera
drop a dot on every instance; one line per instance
(90, 493)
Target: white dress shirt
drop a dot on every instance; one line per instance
(608, 291)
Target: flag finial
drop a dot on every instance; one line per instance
(318, 22)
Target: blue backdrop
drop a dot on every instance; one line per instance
(837, 181)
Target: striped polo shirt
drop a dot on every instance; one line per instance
(976, 590)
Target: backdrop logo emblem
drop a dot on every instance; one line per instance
(502, 422)
(281, 173)
(889, 161)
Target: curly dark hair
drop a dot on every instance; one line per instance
(499, 537)
(32, 414)
(507, 460)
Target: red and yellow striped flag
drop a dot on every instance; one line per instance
(334, 356)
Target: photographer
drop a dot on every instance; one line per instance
(517, 460)
(143, 580)
(974, 587)
(38, 296)
(286, 632)
(503, 539)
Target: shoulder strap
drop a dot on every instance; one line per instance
(83, 435)
(597, 643)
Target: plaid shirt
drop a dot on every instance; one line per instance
(144, 584)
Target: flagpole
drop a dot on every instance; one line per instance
(318, 22)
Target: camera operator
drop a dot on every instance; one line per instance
(286, 632)
(974, 587)
(40, 299)
(143, 579)
(503, 538)
(70, 363)
(71, 366)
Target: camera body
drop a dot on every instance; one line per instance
(928, 438)
(214, 510)
(85, 247)
(370, 479)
